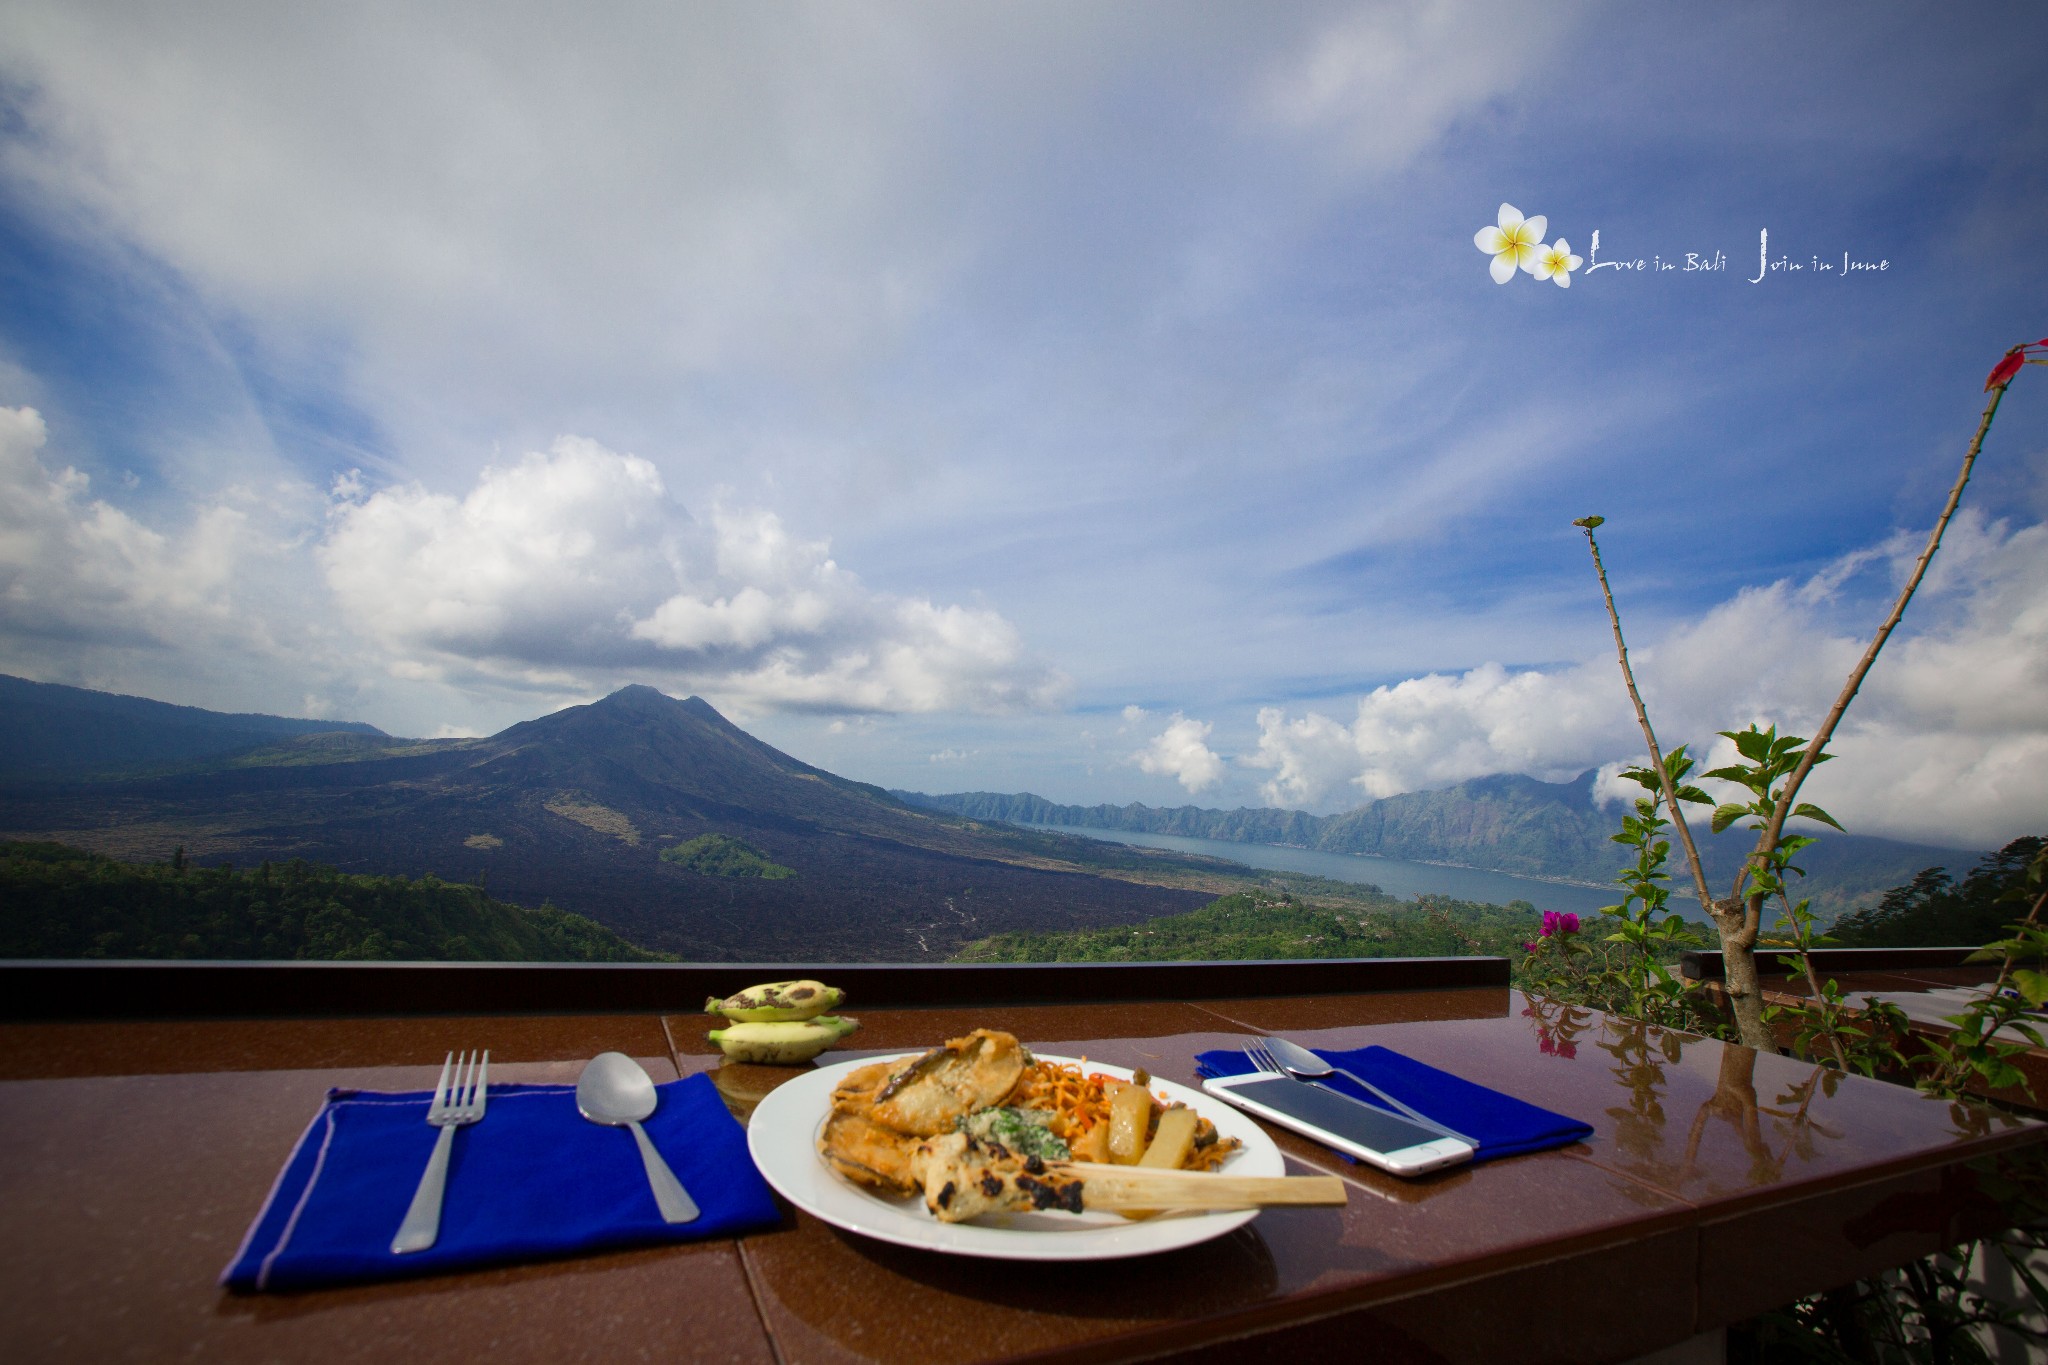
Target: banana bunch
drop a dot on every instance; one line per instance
(781, 1023)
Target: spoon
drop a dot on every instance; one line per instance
(614, 1090)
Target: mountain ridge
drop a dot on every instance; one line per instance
(50, 729)
(574, 807)
(1505, 822)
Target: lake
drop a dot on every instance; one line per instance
(1395, 876)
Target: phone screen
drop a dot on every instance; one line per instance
(1334, 1114)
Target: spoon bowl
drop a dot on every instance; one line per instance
(616, 1091)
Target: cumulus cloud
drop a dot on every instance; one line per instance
(1437, 730)
(75, 568)
(1947, 742)
(1181, 751)
(576, 565)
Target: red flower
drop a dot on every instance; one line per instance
(2004, 370)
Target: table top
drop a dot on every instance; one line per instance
(1718, 1183)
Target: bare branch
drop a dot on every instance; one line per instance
(1768, 840)
(1692, 853)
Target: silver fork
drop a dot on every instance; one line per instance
(453, 1106)
(1256, 1051)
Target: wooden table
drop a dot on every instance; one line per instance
(1718, 1183)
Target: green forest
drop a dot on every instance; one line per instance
(1252, 925)
(1934, 910)
(63, 902)
(721, 855)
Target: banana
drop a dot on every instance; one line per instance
(786, 1042)
(777, 1001)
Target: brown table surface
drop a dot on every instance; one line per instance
(1718, 1183)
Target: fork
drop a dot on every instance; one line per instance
(1255, 1051)
(453, 1106)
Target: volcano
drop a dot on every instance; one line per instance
(577, 807)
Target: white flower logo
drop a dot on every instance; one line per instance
(1556, 262)
(1514, 243)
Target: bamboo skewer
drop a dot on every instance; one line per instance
(1112, 1188)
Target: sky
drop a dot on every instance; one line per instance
(1111, 402)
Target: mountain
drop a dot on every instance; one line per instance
(1505, 823)
(52, 731)
(576, 808)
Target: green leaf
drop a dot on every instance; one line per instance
(1812, 812)
(1727, 815)
(1753, 744)
(1590, 522)
(2033, 985)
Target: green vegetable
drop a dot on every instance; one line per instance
(1023, 1131)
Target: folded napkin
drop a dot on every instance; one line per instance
(1501, 1124)
(533, 1178)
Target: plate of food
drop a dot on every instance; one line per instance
(981, 1148)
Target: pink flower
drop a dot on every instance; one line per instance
(1559, 922)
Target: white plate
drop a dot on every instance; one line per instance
(783, 1132)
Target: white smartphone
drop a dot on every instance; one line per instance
(1374, 1136)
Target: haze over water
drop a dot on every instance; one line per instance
(1395, 876)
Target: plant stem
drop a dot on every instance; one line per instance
(1820, 1004)
(1768, 840)
(1692, 853)
(1959, 1071)
(1738, 961)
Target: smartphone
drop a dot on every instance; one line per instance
(1373, 1135)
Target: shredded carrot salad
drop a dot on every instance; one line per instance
(1074, 1096)
(1079, 1101)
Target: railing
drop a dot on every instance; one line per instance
(31, 989)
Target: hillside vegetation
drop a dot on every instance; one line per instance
(62, 902)
(721, 855)
(1254, 925)
(1934, 910)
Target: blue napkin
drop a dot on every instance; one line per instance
(1501, 1124)
(533, 1178)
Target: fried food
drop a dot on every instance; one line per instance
(964, 1179)
(868, 1154)
(928, 1096)
(857, 1089)
(985, 1100)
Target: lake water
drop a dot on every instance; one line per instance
(1395, 876)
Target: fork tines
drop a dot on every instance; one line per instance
(469, 1076)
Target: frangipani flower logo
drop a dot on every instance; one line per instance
(1513, 243)
(1556, 262)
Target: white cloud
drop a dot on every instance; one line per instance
(575, 566)
(1181, 751)
(73, 567)
(1354, 83)
(1947, 742)
(1437, 730)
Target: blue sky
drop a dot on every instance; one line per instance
(1108, 402)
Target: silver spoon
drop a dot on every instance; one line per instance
(613, 1089)
(1298, 1062)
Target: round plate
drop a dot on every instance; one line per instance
(783, 1137)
